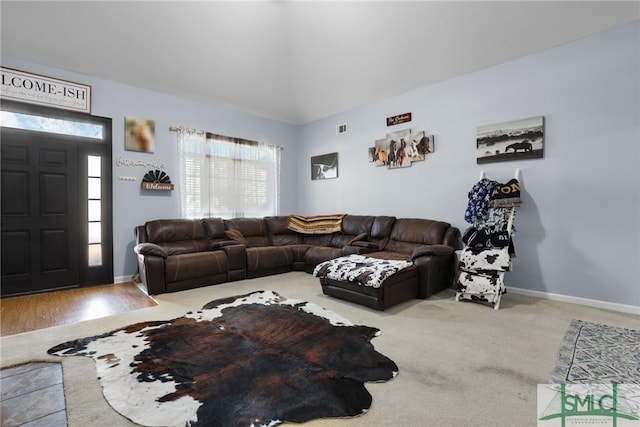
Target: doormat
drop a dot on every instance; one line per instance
(597, 353)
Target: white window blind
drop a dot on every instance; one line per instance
(228, 177)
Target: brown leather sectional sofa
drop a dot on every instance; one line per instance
(179, 254)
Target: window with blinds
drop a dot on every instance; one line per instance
(229, 177)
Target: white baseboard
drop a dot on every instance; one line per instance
(577, 300)
(122, 279)
(623, 308)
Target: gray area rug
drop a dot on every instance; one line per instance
(596, 353)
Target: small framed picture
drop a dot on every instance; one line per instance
(324, 166)
(515, 140)
(139, 134)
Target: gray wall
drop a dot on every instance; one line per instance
(578, 230)
(133, 206)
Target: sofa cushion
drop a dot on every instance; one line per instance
(215, 232)
(317, 254)
(438, 250)
(237, 236)
(254, 230)
(174, 230)
(364, 244)
(359, 238)
(352, 226)
(317, 239)
(356, 224)
(396, 256)
(150, 249)
(340, 240)
(269, 257)
(214, 228)
(409, 233)
(279, 232)
(195, 265)
(381, 227)
(219, 244)
(184, 246)
(177, 236)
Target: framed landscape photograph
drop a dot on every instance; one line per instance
(324, 166)
(515, 140)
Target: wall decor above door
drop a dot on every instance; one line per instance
(41, 90)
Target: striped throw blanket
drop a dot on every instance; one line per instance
(316, 224)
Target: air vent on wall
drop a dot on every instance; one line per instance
(341, 129)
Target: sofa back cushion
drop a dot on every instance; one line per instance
(409, 233)
(279, 233)
(352, 226)
(254, 230)
(216, 233)
(177, 236)
(381, 230)
(214, 228)
(356, 224)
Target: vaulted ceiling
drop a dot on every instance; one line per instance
(294, 61)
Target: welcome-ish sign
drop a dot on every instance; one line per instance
(41, 90)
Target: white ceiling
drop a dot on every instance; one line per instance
(294, 61)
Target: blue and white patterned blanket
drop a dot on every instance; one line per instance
(360, 269)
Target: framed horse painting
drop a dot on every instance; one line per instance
(400, 149)
(515, 140)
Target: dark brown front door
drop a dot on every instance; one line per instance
(40, 219)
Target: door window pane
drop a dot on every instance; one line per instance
(95, 232)
(94, 188)
(47, 124)
(94, 210)
(95, 255)
(94, 166)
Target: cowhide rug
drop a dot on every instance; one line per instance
(255, 359)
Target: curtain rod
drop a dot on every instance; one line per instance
(174, 128)
(182, 128)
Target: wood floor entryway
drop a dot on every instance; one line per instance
(31, 312)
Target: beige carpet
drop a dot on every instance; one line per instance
(461, 363)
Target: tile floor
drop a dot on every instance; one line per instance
(32, 395)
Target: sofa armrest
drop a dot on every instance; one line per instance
(427, 250)
(140, 233)
(151, 267)
(452, 237)
(150, 249)
(364, 244)
(436, 266)
(237, 259)
(357, 249)
(221, 244)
